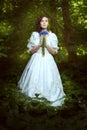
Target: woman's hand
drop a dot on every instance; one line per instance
(35, 48)
(51, 49)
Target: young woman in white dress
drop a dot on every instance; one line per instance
(41, 75)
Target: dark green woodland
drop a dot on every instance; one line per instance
(68, 19)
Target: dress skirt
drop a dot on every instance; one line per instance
(41, 76)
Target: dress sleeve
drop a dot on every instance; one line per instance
(31, 41)
(54, 42)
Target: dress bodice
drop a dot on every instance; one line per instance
(51, 39)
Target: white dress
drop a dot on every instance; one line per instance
(41, 75)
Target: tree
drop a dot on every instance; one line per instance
(67, 27)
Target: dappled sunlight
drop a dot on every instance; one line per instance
(24, 55)
(81, 50)
(6, 28)
(78, 14)
(7, 6)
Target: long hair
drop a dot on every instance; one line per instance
(38, 27)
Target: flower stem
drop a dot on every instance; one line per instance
(43, 45)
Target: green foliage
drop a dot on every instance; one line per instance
(7, 6)
(62, 55)
(6, 28)
(79, 13)
(17, 21)
(21, 112)
(81, 50)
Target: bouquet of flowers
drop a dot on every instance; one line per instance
(43, 41)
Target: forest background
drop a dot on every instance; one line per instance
(68, 20)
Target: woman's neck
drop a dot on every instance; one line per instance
(44, 30)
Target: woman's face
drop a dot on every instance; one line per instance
(44, 23)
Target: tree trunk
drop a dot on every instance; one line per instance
(67, 28)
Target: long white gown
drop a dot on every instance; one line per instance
(41, 75)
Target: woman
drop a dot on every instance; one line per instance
(41, 75)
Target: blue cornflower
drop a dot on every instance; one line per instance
(43, 32)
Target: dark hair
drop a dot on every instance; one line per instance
(38, 27)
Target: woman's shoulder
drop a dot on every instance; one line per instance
(52, 34)
(35, 33)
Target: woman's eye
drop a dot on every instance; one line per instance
(46, 21)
